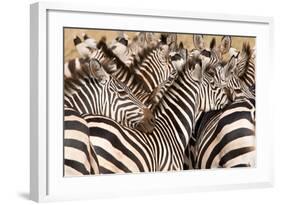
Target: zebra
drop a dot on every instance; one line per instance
(153, 68)
(74, 68)
(82, 47)
(91, 90)
(211, 59)
(246, 66)
(179, 57)
(224, 138)
(213, 55)
(212, 63)
(120, 46)
(148, 79)
(128, 53)
(209, 56)
(223, 75)
(222, 132)
(90, 42)
(79, 156)
(103, 117)
(120, 149)
(238, 76)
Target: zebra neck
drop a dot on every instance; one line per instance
(176, 111)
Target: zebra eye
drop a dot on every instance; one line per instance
(237, 90)
(122, 92)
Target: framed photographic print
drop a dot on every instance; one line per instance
(127, 102)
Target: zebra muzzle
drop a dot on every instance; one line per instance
(147, 124)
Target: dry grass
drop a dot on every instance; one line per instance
(70, 51)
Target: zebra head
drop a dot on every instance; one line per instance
(215, 53)
(227, 77)
(198, 42)
(157, 72)
(157, 66)
(122, 38)
(148, 76)
(211, 96)
(208, 56)
(92, 90)
(225, 49)
(126, 109)
(222, 72)
(179, 57)
(119, 48)
(146, 40)
(225, 45)
(245, 59)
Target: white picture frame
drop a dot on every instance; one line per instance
(46, 177)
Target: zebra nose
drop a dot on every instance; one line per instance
(147, 124)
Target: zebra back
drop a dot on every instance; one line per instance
(79, 156)
(225, 138)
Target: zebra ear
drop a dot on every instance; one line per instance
(172, 41)
(183, 51)
(173, 46)
(163, 38)
(98, 71)
(230, 66)
(181, 46)
(171, 37)
(149, 37)
(198, 41)
(246, 50)
(213, 44)
(197, 74)
(225, 44)
(141, 38)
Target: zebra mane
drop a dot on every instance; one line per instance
(109, 54)
(213, 43)
(145, 52)
(71, 84)
(246, 49)
(120, 65)
(141, 56)
(163, 38)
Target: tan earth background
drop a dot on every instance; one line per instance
(187, 39)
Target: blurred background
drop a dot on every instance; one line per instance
(187, 39)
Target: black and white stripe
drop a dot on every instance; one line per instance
(225, 138)
(246, 66)
(120, 149)
(92, 90)
(79, 156)
(148, 78)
